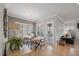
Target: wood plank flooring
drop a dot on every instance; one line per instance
(55, 50)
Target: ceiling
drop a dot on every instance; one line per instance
(40, 11)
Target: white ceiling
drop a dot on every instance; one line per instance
(39, 11)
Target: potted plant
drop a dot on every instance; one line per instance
(14, 43)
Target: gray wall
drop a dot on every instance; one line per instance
(2, 39)
(34, 27)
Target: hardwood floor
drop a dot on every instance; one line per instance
(55, 50)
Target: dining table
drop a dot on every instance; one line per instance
(37, 42)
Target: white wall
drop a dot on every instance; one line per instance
(58, 28)
(1, 30)
(73, 26)
(70, 25)
(44, 28)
